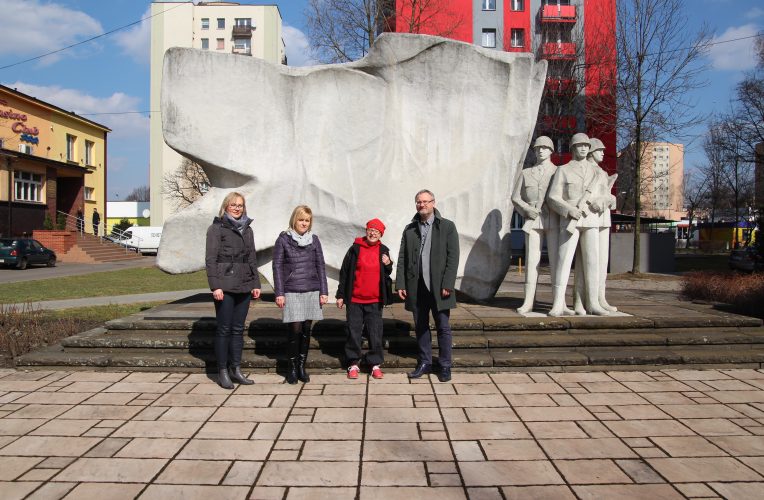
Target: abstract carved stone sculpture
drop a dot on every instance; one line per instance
(355, 141)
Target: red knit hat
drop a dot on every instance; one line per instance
(376, 224)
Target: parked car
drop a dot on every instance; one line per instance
(23, 252)
(745, 259)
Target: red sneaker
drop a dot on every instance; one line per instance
(353, 372)
(376, 372)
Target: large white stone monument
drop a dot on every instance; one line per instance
(355, 141)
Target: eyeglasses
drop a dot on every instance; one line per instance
(233, 205)
(373, 231)
(424, 202)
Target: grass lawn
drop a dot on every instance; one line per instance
(123, 282)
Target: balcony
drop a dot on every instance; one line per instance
(560, 85)
(242, 31)
(242, 51)
(559, 51)
(559, 123)
(558, 14)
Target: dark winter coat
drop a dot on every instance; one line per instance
(230, 258)
(347, 275)
(444, 261)
(298, 269)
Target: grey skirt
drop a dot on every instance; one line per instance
(302, 306)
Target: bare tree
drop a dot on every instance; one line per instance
(713, 170)
(695, 193)
(141, 193)
(659, 62)
(186, 184)
(344, 30)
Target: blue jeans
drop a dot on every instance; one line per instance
(230, 313)
(426, 305)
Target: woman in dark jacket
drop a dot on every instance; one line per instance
(299, 282)
(365, 288)
(234, 280)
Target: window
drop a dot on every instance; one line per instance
(220, 44)
(221, 23)
(518, 37)
(243, 21)
(70, 153)
(243, 45)
(518, 5)
(205, 44)
(489, 4)
(27, 186)
(89, 147)
(489, 38)
(205, 23)
(89, 193)
(25, 148)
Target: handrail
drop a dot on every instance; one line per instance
(117, 236)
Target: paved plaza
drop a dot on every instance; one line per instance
(653, 435)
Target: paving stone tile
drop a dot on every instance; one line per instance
(250, 415)
(267, 431)
(310, 473)
(16, 490)
(695, 490)
(640, 412)
(225, 449)
(19, 426)
(158, 429)
(193, 472)
(454, 414)
(390, 401)
(530, 400)
(684, 375)
(274, 389)
(151, 448)
(586, 448)
(611, 386)
(509, 473)
(193, 400)
(610, 399)
(700, 411)
(151, 413)
(491, 415)
(537, 493)
(194, 492)
(696, 470)
(340, 401)
(187, 414)
(95, 377)
(11, 396)
(470, 401)
(409, 492)
(511, 378)
(627, 492)
(486, 430)
(404, 415)
(532, 388)
(55, 462)
(338, 451)
(267, 493)
(112, 470)
(111, 398)
(98, 432)
(667, 398)
(13, 467)
(350, 388)
(225, 430)
(730, 385)
(755, 463)
(51, 491)
(639, 471)
(728, 396)
(391, 431)
(321, 493)
(107, 448)
(53, 398)
(288, 445)
(591, 472)
(740, 445)
(350, 415)
(445, 480)
(322, 431)
(284, 455)
(592, 377)
(714, 427)
(242, 473)
(393, 474)
(441, 467)
(88, 387)
(565, 400)
(648, 428)
(476, 389)
(61, 427)
(40, 411)
(49, 446)
(20, 386)
(140, 387)
(101, 412)
(145, 377)
(689, 446)
(553, 414)
(515, 449)
(542, 430)
(738, 491)
(407, 451)
(650, 452)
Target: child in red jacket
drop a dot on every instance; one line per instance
(365, 288)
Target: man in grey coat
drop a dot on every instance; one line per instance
(425, 280)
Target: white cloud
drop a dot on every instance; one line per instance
(735, 56)
(122, 125)
(136, 41)
(754, 13)
(30, 27)
(297, 47)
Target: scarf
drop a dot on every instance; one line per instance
(304, 240)
(239, 224)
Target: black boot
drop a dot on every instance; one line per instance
(224, 380)
(238, 377)
(291, 376)
(293, 350)
(302, 358)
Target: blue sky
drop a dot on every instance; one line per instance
(111, 74)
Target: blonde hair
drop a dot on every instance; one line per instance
(298, 212)
(227, 201)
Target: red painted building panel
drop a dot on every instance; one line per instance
(520, 19)
(448, 18)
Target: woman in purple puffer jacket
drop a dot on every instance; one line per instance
(299, 282)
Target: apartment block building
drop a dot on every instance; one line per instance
(242, 30)
(662, 180)
(51, 161)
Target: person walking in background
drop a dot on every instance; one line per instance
(425, 280)
(96, 220)
(299, 282)
(231, 262)
(364, 288)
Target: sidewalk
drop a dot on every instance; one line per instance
(650, 435)
(116, 299)
(8, 275)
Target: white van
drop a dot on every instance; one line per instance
(144, 239)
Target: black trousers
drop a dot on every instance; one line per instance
(230, 313)
(426, 305)
(359, 315)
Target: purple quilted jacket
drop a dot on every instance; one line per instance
(298, 269)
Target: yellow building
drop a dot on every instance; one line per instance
(52, 161)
